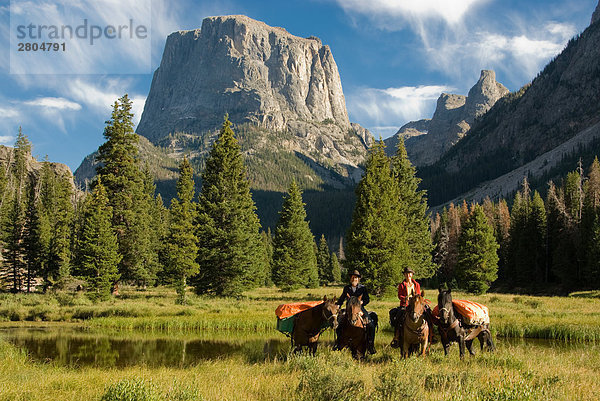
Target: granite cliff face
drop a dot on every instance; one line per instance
(596, 14)
(427, 140)
(262, 76)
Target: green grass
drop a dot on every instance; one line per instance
(514, 372)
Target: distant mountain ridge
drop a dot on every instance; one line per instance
(561, 103)
(427, 140)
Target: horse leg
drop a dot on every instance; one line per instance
(461, 345)
(424, 344)
(469, 344)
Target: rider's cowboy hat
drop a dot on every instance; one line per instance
(408, 270)
(355, 273)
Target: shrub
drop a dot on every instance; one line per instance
(333, 376)
(400, 381)
(131, 390)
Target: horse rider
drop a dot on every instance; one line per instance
(406, 290)
(355, 289)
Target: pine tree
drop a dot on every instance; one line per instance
(561, 239)
(14, 251)
(502, 231)
(441, 239)
(268, 244)
(97, 248)
(182, 243)
(60, 209)
(412, 205)
(120, 173)
(323, 262)
(453, 232)
(14, 221)
(537, 234)
(231, 254)
(336, 272)
(376, 241)
(37, 236)
(477, 258)
(294, 258)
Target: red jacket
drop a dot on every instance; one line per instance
(403, 292)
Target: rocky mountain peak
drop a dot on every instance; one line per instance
(453, 117)
(446, 103)
(596, 14)
(484, 94)
(256, 73)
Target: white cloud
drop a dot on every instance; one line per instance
(9, 113)
(385, 110)
(100, 96)
(518, 57)
(451, 11)
(7, 140)
(54, 103)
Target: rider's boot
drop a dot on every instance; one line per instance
(371, 339)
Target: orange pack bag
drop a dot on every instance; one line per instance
(286, 310)
(472, 313)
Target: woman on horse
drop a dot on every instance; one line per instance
(355, 289)
(406, 290)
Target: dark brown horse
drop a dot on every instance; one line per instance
(309, 324)
(453, 330)
(415, 327)
(353, 333)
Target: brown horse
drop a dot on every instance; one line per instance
(416, 329)
(309, 324)
(353, 333)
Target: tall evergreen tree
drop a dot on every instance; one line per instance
(60, 209)
(14, 221)
(294, 258)
(502, 232)
(97, 248)
(120, 173)
(36, 237)
(14, 250)
(336, 272)
(477, 264)
(538, 270)
(323, 262)
(268, 243)
(376, 241)
(231, 254)
(182, 243)
(412, 204)
(561, 239)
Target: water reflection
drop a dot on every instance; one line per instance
(77, 348)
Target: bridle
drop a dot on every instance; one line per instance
(452, 325)
(417, 327)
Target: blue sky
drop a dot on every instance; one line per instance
(395, 57)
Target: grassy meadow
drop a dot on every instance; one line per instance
(566, 368)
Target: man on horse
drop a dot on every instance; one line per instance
(355, 289)
(406, 290)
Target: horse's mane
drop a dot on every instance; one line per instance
(353, 302)
(444, 297)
